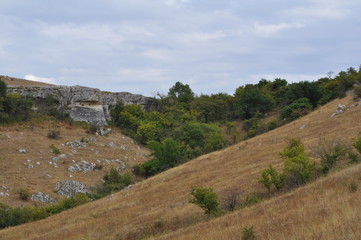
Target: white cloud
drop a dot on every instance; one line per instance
(39, 79)
(143, 74)
(266, 30)
(176, 3)
(203, 36)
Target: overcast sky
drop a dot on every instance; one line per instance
(145, 46)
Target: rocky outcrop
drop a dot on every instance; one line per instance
(42, 197)
(84, 103)
(68, 188)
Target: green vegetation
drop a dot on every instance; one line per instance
(270, 177)
(330, 153)
(206, 199)
(248, 234)
(114, 182)
(14, 216)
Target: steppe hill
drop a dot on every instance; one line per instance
(158, 207)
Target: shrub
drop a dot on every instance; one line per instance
(357, 91)
(357, 144)
(270, 177)
(298, 108)
(165, 155)
(297, 163)
(53, 134)
(54, 149)
(330, 153)
(354, 158)
(24, 194)
(251, 199)
(206, 199)
(113, 181)
(231, 201)
(353, 187)
(248, 234)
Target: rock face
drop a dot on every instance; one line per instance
(68, 188)
(85, 104)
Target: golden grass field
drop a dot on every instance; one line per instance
(158, 207)
(32, 136)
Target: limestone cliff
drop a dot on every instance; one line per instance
(83, 103)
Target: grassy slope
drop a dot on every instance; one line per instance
(32, 136)
(164, 198)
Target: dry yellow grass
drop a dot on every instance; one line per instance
(163, 199)
(22, 82)
(32, 136)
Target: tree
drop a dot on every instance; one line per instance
(250, 101)
(3, 88)
(305, 89)
(206, 199)
(296, 109)
(181, 92)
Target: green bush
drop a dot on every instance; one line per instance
(298, 165)
(24, 194)
(113, 181)
(248, 234)
(53, 134)
(357, 144)
(296, 109)
(206, 199)
(54, 149)
(330, 153)
(165, 155)
(270, 177)
(14, 216)
(357, 91)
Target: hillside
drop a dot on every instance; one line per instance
(38, 169)
(22, 82)
(160, 203)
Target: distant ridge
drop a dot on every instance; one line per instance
(22, 82)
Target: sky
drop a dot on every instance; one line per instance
(145, 46)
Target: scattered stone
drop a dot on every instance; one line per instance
(30, 166)
(83, 166)
(124, 147)
(340, 109)
(42, 197)
(50, 163)
(76, 144)
(62, 155)
(68, 188)
(4, 194)
(75, 151)
(38, 163)
(71, 176)
(22, 150)
(103, 132)
(55, 159)
(303, 126)
(5, 191)
(128, 187)
(112, 144)
(29, 161)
